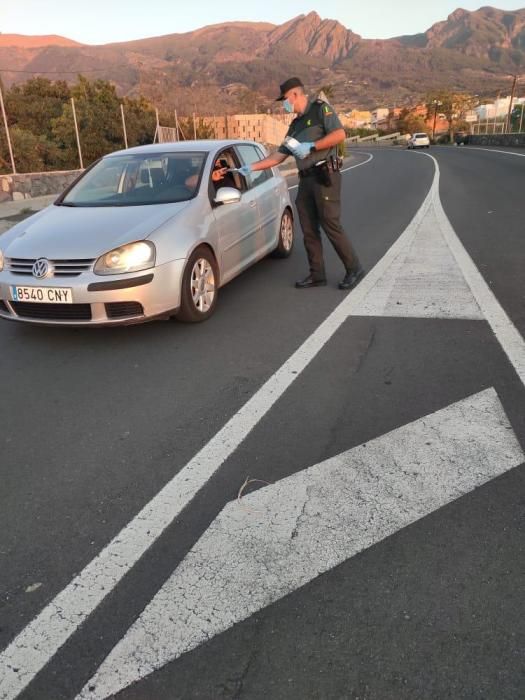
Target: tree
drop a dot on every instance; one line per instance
(411, 123)
(98, 113)
(140, 121)
(34, 104)
(454, 105)
(516, 117)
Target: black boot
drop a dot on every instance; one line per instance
(352, 278)
(311, 282)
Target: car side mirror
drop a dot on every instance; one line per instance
(227, 195)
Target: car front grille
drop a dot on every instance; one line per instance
(52, 312)
(124, 309)
(3, 307)
(62, 268)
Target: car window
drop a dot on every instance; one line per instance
(138, 179)
(226, 159)
(251, 154)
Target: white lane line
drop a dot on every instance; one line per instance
(358, 165)
(283, 536)
(424, 281)
(39, 641)
(382, 300)
(493, 150)
(505, 331)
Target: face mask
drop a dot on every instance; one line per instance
(288, 106)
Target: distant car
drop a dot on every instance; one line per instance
(420, 140)
(145, 233)
(461, 138)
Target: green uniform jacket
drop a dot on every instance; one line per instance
(318, 120)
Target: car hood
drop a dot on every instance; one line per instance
(84, 232)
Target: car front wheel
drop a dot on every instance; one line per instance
(199, 287)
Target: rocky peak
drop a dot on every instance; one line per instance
(313, 36)
(479, 33)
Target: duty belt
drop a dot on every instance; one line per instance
(332, 165)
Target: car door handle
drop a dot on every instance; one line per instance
(253, 204)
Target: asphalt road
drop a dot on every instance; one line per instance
(428, 604)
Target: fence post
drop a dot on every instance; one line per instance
(179, 128)
(194, 127)
(157, 125)
(124, 125)
(77, 134)
(10, 147)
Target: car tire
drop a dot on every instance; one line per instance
(199, 287)
(286, 236)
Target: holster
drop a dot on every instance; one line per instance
(322, 175)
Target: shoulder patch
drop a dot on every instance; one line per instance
(328, 110)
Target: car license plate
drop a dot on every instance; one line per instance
(42, 295)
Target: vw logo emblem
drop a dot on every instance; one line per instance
(42, 268)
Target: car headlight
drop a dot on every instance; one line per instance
(132, 257)
(1, 261)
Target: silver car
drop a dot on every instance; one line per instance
(148, 232)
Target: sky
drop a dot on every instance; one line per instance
(104, 21)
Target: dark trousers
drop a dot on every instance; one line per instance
(319, 207)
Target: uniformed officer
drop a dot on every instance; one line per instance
(312, 139)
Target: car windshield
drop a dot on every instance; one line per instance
(132, 180)
(420, 136)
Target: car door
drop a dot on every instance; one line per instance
(237, 225)
(266, 188)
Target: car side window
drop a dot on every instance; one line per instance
(251, 154)
(226, 159)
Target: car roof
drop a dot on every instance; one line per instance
(207, 145)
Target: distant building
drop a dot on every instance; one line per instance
(356, 119)
(497, 109)
(379, 119)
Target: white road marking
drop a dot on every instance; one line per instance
(494, 150)
(424, 281)
(505, 331)
(289, 533)
(358, 165)
(40, 640)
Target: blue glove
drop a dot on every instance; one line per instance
(245, 171)
(302, 150)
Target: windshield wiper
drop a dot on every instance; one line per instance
(66, 204)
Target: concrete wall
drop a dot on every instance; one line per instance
(497, 140)
(265, 128)
(19, 187)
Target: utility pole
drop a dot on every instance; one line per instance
(509, 127)
(436, 104)
(10, 147)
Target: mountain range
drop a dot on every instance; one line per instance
(239, 65)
